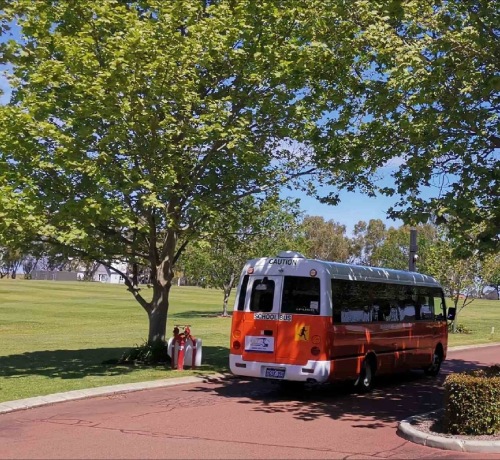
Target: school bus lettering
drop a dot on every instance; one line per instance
(282, 262)
(272, 316)
(268, 316)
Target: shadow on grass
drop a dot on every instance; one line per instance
(76, 364)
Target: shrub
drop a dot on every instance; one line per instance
(461, 329)
(472, 402)
(147, 353)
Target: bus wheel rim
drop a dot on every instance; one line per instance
(368, 375)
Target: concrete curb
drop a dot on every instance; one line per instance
(407, 431)
(479, 345)
(22, 404)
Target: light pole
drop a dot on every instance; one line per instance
(412, 260)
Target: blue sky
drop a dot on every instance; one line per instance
(352, 208)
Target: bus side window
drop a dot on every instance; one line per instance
(243, 293)
(424, 311)
(408, 311)
(338, 293)
(439, 305)
(377, 314)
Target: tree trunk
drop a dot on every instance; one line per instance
(162, 272)
(455, 302)
(227, 293)
(158, 313)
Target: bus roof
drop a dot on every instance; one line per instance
(344, 271)
(377, 274)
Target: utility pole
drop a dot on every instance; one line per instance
(412, 260)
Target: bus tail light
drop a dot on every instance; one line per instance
(236, 345)
(315, 351)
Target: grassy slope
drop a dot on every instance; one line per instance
(54, 336)
(479, 317)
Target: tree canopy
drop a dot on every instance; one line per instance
(325, 240)
(264, 229)
(431, 101)
(133, 125)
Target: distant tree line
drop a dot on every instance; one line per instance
(216, 259)
(217, 262)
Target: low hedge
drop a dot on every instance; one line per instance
(472, 402)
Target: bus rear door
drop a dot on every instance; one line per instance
(260, 326)
(301, 327)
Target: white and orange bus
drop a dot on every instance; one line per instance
(304, 320)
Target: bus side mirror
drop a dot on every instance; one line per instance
(451, 313)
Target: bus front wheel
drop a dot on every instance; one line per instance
(364, 383)
(435, 367)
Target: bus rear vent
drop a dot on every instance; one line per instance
(290, 255)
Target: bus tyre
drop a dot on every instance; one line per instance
(364, 383)
(435, 367)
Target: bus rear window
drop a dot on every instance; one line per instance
(262, 295)
(301, 295)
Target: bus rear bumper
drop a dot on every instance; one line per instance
(312, 371)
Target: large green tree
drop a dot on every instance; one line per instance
(133, 125)
(367, 238)
(325, 240)
(430, 99)
(394, 250)
(457, 276)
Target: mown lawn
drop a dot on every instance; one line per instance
(479, 317)
(55, 336)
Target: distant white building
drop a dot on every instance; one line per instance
(104, 274)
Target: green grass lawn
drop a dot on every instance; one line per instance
(479, 317)
(55, 336)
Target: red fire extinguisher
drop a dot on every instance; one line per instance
(180, 339)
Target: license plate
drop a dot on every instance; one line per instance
(275, 373)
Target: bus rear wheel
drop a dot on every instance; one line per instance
(435, 367)
(364, 383)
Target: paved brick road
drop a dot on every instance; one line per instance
(237, 419)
